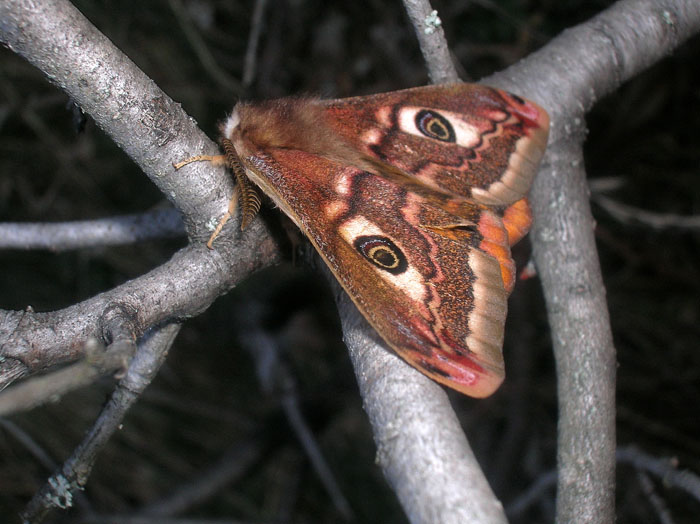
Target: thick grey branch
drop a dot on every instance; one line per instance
(182, 287)
(149, 126)
(567, 77)
(154, 131)
(421, 446)
(572, 72)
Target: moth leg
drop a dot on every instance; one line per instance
(250, 204)
(245, 191)
(216, 160)
(232, 204)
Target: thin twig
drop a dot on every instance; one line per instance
(231, 466)
(629, 215)
(36, 391)
(130, 519)
(654, 498)
(201, 50)
(658, 429)
(112, 231)
(73, 475)
(42, 456)
(251, 53)
(431, 37)
(28, 442)
(537, 490)
(292, 410)
(275, 377)
(665, 469)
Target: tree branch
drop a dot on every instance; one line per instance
(182, 287)
(73, 475)
(154, 131)
(421, 445)
(633, 215)
(431, 37)
(142, 120)
(567, 77)
(112, 231)
(573, 72)
(553, 77)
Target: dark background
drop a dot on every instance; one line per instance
(642, 151)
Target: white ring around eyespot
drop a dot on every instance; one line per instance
(409, 281)
(466, 135)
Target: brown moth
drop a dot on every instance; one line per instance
(413, 199)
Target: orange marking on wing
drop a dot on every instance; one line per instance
(517, 219)
(496, 243)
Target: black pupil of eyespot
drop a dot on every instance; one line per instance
(437, 129)
(434, 125)
(382, 252)
(384, 257)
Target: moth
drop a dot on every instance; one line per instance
(413, 198)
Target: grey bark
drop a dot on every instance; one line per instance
(566, 77)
